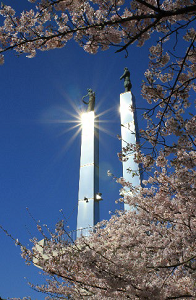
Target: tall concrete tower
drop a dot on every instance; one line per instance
(88, 196)
(129, 132)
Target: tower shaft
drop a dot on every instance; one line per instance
(129, 135)
(88, 206)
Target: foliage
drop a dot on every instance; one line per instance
(148, 253)
(92, 24)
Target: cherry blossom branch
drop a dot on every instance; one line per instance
(174, 265)
(103, 24)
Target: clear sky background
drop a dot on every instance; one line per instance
(40, 100)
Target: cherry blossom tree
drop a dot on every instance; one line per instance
(148, 252)
(93, 24)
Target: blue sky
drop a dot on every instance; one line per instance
(39, 159)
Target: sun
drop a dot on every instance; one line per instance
(73, 119)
